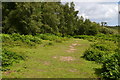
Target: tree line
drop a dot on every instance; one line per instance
(45, 17)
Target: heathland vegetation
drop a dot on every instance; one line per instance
(36, 36)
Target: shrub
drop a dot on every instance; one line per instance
(100, 51)
(51, 37)
(30, 38)
(106, 30)
(16, 36)
(5, 37)
(24, 38)
(89, 38)
(111, 67)
(105, 45)
(97, 55)
(8, 58)
(108, 37)
(48, 44)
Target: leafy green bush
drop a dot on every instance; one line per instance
(108, 37)
(97, 55)
(51, 37)
(24, 38)
(30, 38)
(106, 30)
(5, 37)
(16, 36)
(48, 44)
(90, 38)
(106, 52)
(8, 58)
(111, 67)
(100, 51)
(105, 45)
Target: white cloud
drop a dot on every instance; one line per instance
(84, 15)
(98, 11)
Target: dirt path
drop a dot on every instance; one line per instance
(72, 47)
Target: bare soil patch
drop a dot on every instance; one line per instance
(46, 63)
(8, 72)
(73, 70)
(72, 47)
(66, 58)
(55, 57)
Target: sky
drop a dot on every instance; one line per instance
(98, 10)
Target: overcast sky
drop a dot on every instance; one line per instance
(98, 10)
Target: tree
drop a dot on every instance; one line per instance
(45, 17)
(70, 18)
(50, 19)
(104, 23)
(25, 19)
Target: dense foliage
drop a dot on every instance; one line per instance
(8, 58)
(100, 51)
(111, 67)
(28, 39)
(54, 17)
(51, 37)
(100, 37)
(106, 51)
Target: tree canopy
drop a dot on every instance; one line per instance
(45, 17)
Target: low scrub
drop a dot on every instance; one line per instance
(100, 51)
(24, 38)
(108, 37)
(106, 52)
(107, 30)
(89, 38)
(8, 58)
(111, 67)
(51, 37)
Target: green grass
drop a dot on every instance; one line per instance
(47, 61)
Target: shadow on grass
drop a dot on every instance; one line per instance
(98, 71)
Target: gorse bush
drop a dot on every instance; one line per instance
(100, 51)
(111, 67)
(105, 45)
(5, 37)
(106, 30)
(97, 55)
(8, 58)
(93, 54)
(47, 36)
(31, 40)
(108, 37)
(24, 38)
(89, 38)
(105, 51)
(48, 44)
(51, 37)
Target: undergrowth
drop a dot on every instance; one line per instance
(105, 51)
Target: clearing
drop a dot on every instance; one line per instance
(61, 60)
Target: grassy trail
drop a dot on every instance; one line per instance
(61, 60)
